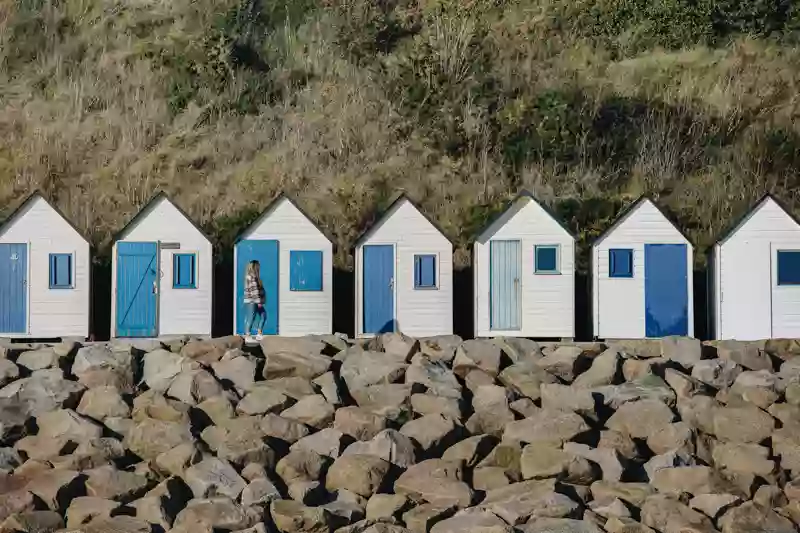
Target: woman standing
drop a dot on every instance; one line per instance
(255, 313)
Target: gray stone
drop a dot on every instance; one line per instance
(385, 506)
(712, 505)
(430, 404)
(546, 426)
(560, 525)
(742, 424)
(272, 344)
(329, 387)
(358, 423)
(718, 373)
(675, 436)
(295, 388)
(437, 482)
(633, 493)
(360, 474)
(680, 479)
(603, 371)
(396, 344)
(33, 522)
(472, 521)
(112, 484)
(240, 441)
(41, 392)
(261, 400)
(86, 508)
(640, 419)
(644, 388)
(149, 438)
(440, 348)
(683, 350)
(422, 518)
(178, 459)
(564, 362)
(565, 398)
(389, 445)
(301, 465)
(260, 491)
(471, 450)
(667, 514)
(214, 476)
(477, 354)
(329, 442)
(757, 387)
(307, 365)
(67, 424)
(525, 379)
(103, 402)
(362, 369)
(194, 386)
(391, 401)
(753, 518)
(237, 369)
(311, 410)
(683, 385)
(746, 354)
(294, 517)
(528, 501)
(519, 349)
(218, 513)
(436, 377)
(668, 460)
(8, 372)
(287, 430)
(161, 367)
(608, 459)
(97, 365)
(744, 458)
(38, 359)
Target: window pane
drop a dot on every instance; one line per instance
(546, 259)
(61, 271)
(788, 267)
(183, 272)
(424, 271)
(620, 263)
(305, 270)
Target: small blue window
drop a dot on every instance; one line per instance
(305, 270)
(183, 271)
(620, 263)
(788, 267)
(546, 259)
(425, 271)
(61, 271)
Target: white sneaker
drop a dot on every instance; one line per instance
(248, 339)
(259, 337)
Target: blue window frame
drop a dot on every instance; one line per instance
(620, 263)
(305, 270)
(61, 271)
(788, 267)
(546, 259)
(425, 271)
(184, 268)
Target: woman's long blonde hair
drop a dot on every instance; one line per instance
(254, 269)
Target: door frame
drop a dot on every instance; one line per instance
(115, 277)
(688, 252)
(492, 328)
(360, 307)
(27, 294)
(237, 278)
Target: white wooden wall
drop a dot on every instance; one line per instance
(547, 300)
(619, 303)
(418, 313)
(299, 312)
(52, 312)
(750, 304)
(181, 311)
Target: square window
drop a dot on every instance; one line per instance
(788, 267)
(620, 263)
(183, 271)
(305, 270)
(425, 271)
(61, 271)
(546, 259)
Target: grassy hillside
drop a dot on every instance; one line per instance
(225, 103)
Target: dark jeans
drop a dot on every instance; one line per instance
(255, 315)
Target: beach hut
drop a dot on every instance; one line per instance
(162, 274)
(524, 273)
(45, 274)
(755, 275)
(642, 276)
(296, 263)
(404, 275)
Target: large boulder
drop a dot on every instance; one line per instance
(525, 379)
(161, 367)
(209, 351)
(753, 518)
(389, 445)
(214, 476)
(432, 433)
(742, 424)
(239, 441)
(236, 369)
(746, 354)
(528, 500)
(435, 481)
(604, 370)
(477, 354)
(360, 474)
(718, 373)
(149, 438)
(103, 402)
(641, 419)
(358, 423)
(313, 411)
(306, 365)
(685, 351)
(38, 359)
(287, 430)
(668, 514)
(294, 517)
(97, 365)
(263, 399)
(41, 392)
(217, 513)
(112, 484)
(472, 521)
(301, 466)
(565, 362)
(546, 426)
(362, 369)
(195, 386)
(435, 377)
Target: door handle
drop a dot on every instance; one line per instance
(155, 288)
(391, 283)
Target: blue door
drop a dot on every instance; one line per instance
(137, 289)
(378, 274)
(266, 253)
(504, 290)
(13, 287)
(666, 291)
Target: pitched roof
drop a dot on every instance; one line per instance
(731, 229)
(148, 206)
(399, 198)
(630, 208)
(37, 194)
(274, 203)
(525, 195)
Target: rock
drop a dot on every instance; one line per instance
(718, 373)
(528, 501)
(272, 344)
(757, 387)
(152, 404)
(301, 465)
(194, 386)
(621, 443)
(435, 377)
(471, 450)
(218, 409)
(480, 354)
(616, 508)
(112, 484)
(640, 419)
(432, 433)
(284, 429)
(219, 513)
(329, 442)
(565, 362)
(262, 400)
(745, 458)
(103, 402)
(542, 462)
(239, 370)
(644, 388)
(472, 521)
(38, 359)
(477, 378)
(633, 369)
(389, 445)
(55, 488)
(41, 392)
(213, 476)
(347, 507)
(9, 460)
(524, 407)
(311, 410)
(671, 459)
(669, 515)
(677, 435)
(508, 457)
(390, 400)
(770, 496)
(440, 348)
(525, 379)
(560, 525)
(149, 438)
(67, 424)
(608, 459)
(15, 501)
(565, 398)
(603, 371)
(632, 493)
(8, 372)
(422, 518)
(239, 441)
(97, 365)
(33, 522)
(116, 524)
(161, 367)
(260, 491)
(362, 369)
(358, 423)
(546, 426)
(435, 481)
(304, 491)
(683, 385)
(429, 404)
(745, 354)
(519, 349)
(360, 474)
(295, 388)
(683, 350)
(86, 508)
(294, 517)
(712, 505)
(752, 518)
(208, 351)
(680, 479)
(178, 459)
(306, 365)
(385, 506)
(742, 424)
(328, 385)
(396, 344)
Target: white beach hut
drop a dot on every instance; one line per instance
(296, 263)
(404, 275)
(524, 274)
(642, 284)
(755, 275)
(162, 274)
(45, 274)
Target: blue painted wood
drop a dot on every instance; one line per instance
(13, 288)
(183, 271)
(266, 252)
(788, 267)
(504, 290)
(305, 270)
(378, 274)
(666, 293)
(60, 271)
(425, 271)
(137, 289)
(620, 263)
